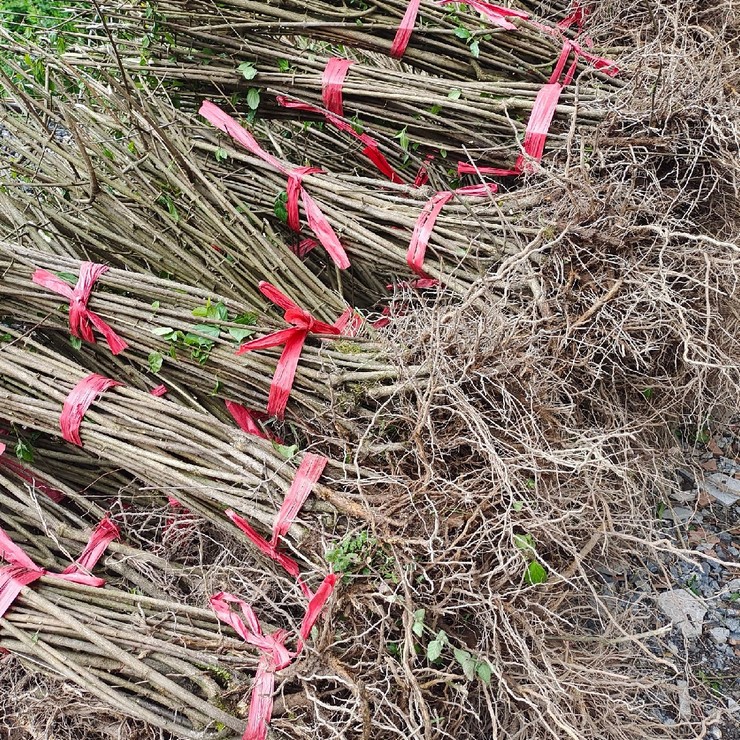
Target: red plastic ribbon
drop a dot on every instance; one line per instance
(349, 323)
(332, 79)
(331, 83)
(403, 34)
(317, 221)
(245, 419)
(308, 473)
(78, 402)
(293, 339)
(275, 655)
(428, 218)
(26, 475)
(576, 17)
(158, 391)
(101, 537)
(22, 571)
(81, 319)
(496, 14)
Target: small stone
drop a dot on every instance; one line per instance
(684, 610)
(733, 625)
(734, 585)
(719, 634)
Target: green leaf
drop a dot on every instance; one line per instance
(434, 650)
(462, 33)
(162, 331)
(239, 334)
(454, 94)
(68, 277)
(246, 318)
(155, 362)
(279, 208)
(286, 451)
(253, 98)
(418, 626)
(24, 451)
(155, 305)
(248, 70)
(76, 342)
(475, 48)
(517, 505)
(467, 661)
(535, 574)
(221, 154)
(403, 139)
(483, 669)
(283, 65)
(442, 637)
(524, 542)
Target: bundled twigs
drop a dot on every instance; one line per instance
(186, 337)
(156, 660)
(120, 186)
(379, 223)
(445, 40)
(204, 464)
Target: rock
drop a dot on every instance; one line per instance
(684, 610)
(681, 515)
(720, 492)
(719, 634)
(733, 625)
(734, 585)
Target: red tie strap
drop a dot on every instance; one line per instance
(275, 655)
(22, 571)
(403, 34)
(308, 473)
(332, 80)
(496, 14)
(428, 218)
(317, 221)
(78, 402)
(293, 339)
(81, 318)
(331, 84)
(158, 391)
(26, 475)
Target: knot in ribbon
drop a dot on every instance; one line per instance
(22, 571)
(77, 403)
(293, 339)
(317, 221)
(81, 318)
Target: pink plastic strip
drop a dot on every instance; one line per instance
(81, 319)
(403, 34)
(261, 701)
(317, 221)
(315, 605)
(158, 391)
(496, 14)
(251, 631)
(78, 402)
(349, 323)
(292, 339)
(98, 543)
(29, 477)
(307, 475)
(428, 218)
(331, 82)
(371, 149)
(22, 571)
(245, 419)
(268, 548)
